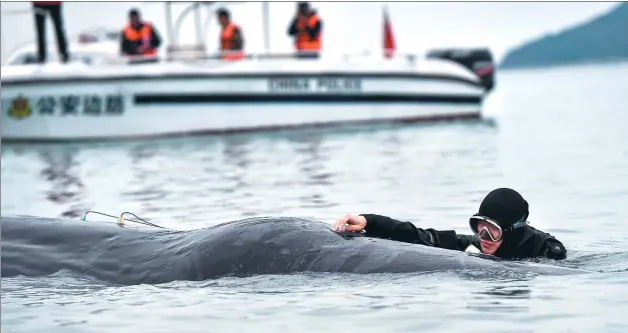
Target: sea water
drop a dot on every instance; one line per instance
(559, 136)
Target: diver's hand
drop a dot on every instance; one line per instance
(464, 241)
(355, 223)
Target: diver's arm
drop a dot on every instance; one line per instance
(386, 227)
(554, 249)
(464, 241)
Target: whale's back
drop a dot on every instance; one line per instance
(39, 246)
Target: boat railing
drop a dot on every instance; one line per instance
(197, 53)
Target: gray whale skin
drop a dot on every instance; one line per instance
(36, 246)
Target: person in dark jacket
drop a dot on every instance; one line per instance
(306, 29)
(500, 228)
(139, 38)
(54, 9)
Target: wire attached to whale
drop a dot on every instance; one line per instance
(120, 219)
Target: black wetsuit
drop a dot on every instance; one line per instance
(525, 242)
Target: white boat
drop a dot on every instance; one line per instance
(101, 97)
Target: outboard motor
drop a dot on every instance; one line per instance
(479, 61)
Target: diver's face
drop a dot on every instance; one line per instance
(488, 246)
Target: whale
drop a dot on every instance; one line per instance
(39, 246)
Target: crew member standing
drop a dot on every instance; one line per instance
(306, 29)
(231, 40)
(139, 38)
(54, 9)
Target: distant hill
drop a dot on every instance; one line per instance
(603, 38)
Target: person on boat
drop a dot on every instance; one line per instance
(54, 9)
(231, 40)
(139, 38)
(500, 228)
(306, 29)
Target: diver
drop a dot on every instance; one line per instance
(500, 228)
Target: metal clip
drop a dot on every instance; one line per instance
(121, 221)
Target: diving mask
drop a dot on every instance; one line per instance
(489, 229)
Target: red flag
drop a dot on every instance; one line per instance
(389, 39)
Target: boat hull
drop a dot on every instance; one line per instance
(84, 108)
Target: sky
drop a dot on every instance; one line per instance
(349, 27)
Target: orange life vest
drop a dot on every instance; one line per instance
(131, 34)
(303, 41)
(226, 43)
